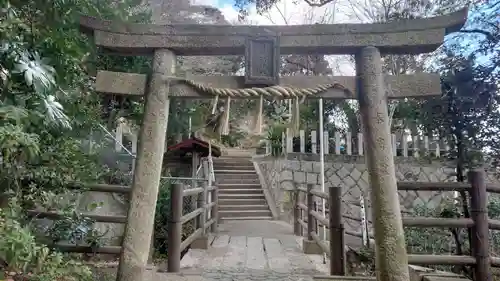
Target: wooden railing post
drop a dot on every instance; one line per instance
(309, 245)
(316, 222)
(479, 213)
(201, 203)
(175, 229)
(296, 213)
(337, 255)
(215, 209)
(310, 207)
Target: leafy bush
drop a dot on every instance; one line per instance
(439, 241)
(162, 218)
(22, 257)
(275, 137)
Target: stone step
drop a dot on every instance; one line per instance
(236, 180)
(241, 176)
(266, 218)
(242, 196)
(236, 160)
(243, 207)
(225, 158)
(244, 213)
(235, 171)
(240, 191)
(228, 201)
(234, 166)
(224, 186)
(238, 152)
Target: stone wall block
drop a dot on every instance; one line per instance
(365, 176)
(316, 167)
(287, 175)
(312, 178)
(349, 182)
(355, 194)
(363, 185)
(355, 173)
(342, 173)
(329, 172)
(299, 177)
(334, 180)
(292, 165)
(306, 166)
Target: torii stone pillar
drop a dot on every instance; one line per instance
(390, 249)
(141, 213)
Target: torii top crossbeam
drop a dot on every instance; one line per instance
(399, 37)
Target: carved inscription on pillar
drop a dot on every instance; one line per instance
(262, 59)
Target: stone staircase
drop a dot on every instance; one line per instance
(240, 194)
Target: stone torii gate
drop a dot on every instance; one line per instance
(262, 46)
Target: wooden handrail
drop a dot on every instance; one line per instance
(175, 244)
(479, 222)
(200, 215)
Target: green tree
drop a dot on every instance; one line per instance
(47, 108)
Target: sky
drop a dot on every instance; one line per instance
(287, 13)
(284, 12)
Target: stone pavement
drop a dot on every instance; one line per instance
(252, 250)
(246, 250)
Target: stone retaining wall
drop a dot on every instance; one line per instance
(350, 173)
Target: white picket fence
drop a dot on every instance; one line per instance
(342, 144)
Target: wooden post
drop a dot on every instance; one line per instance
(215, 209)
(175, 229)
(326, 143)
(146, 179)
(337, 143)
(314, 148)
(289, 141)
(394, 145)
(391, 257)
(194, 204)
(302, 136)
(479, 213)
(438, 149)
(309, 246)
(206, 175)
(119, 136)
(134, 151)
(426, 145)
(415, 146)
(283, 143)
(348, 141)
(360, 144)
(201, 203)
(337, 255)
(316, 222)
(296, 213)
(404, 143)
(310, 207)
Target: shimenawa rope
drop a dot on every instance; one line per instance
(271, 91)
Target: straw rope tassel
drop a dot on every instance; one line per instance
(225, 125)
(214, 106)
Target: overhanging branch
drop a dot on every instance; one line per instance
(488, 35)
